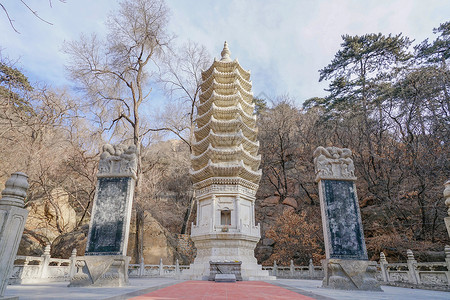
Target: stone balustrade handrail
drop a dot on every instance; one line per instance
(434, 275)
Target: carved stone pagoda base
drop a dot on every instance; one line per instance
(226, 247)
(345, 274)
(101, 270)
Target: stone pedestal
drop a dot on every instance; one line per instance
(12, 221)
(346, 274)
(346, 265)
(105, 262)
(101, 270)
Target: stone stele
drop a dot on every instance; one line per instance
(346, 265)
(105, 262)
(12, 222)
(225, 172)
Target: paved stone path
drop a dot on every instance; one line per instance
(167, 288)
(223, 291)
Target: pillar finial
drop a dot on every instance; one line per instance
(225, 52)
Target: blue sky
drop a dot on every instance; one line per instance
(284, 43)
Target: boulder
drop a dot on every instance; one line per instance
(158, 242)
(270, 201)
(289, 208)
(268, 242)
(63, 245)
(291, 202)
(262, 253)
(51, 216)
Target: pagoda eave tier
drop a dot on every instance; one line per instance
(226, 113)
(225, 66)
(224, 89)
(224, 141)
(225, 155)
(226, 181)
(227, 77)
(226, 170)
(225, 101)
(227, 126)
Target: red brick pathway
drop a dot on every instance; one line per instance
(212, 290)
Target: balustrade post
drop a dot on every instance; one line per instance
(291, 268)
(161, 267)
(141, 267)
(383, 263)
(177, 267)
(412, 273)
(311, 268)
(73, 260)
(275, 268)
(45, 262)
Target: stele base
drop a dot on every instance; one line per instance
(346, 274)
(101, 270)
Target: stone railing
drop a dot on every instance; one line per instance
(295, 272)
(432, 275)
(161, 270)
(425, 274)
(208, 228)
(35, 269)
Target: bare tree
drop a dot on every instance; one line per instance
(29, 8)
(115, 72)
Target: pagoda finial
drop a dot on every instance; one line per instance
(225, 52)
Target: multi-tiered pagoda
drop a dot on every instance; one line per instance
(225, 170)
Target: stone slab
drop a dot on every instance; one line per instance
(343, 232)
(110, 220)
(225, 278)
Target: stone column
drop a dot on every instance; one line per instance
(213, 213)
(12, 222)
(346, 265)
(106, 262)
(447, 203)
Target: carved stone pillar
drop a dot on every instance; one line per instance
(12, 222)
